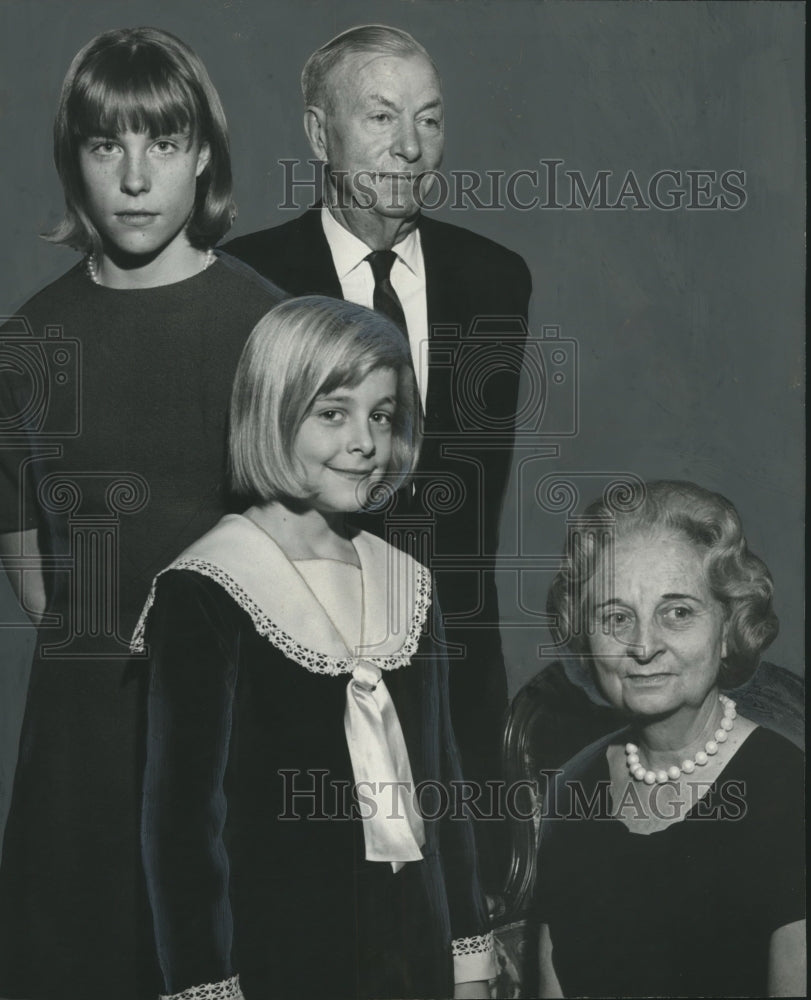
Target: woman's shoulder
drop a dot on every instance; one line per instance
(227, 291)
(235, 273)
(769, 753)
(767, 774)
(592, 758)
(71, 287)
(581, 775)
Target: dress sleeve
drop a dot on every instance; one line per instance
(192, 679)
(473, 950)
(783, 833)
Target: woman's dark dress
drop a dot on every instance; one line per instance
(688, 910)
(255, 864)
(128, 466)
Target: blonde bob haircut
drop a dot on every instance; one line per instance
(141, 80)
(302, 349)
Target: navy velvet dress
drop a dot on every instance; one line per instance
(690, 909)
(254, 854)
(113, 406)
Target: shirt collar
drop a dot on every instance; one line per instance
(348, 251)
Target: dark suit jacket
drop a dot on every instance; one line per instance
(466, 455)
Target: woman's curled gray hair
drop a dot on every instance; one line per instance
(738, 579)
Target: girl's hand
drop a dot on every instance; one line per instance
(477, 990)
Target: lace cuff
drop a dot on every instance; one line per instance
(474, 958)
(228, 989)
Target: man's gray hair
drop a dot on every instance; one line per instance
(364, 38)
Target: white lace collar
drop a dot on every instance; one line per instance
(253, 570)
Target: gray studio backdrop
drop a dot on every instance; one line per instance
(682, 326)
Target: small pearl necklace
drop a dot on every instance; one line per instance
(673, 773)
(92, 267)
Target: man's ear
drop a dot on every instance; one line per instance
(315, 125)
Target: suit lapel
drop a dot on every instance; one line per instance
(447, 304)
(315, 271)
(446, 291)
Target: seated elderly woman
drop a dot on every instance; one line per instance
(671, 852)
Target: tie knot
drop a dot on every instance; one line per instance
(366, 675)
(381, 261)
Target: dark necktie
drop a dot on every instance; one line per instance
(385, 298)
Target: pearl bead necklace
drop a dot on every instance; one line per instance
(92, 267)
(673, 773)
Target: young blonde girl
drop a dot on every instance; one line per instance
(301, 833)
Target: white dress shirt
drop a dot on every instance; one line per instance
(407, 279)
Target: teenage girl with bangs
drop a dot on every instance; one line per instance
(122, 474)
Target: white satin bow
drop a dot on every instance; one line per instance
(392, 828)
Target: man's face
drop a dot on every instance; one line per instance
(382, 131)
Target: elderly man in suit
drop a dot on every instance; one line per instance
(374, 115)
